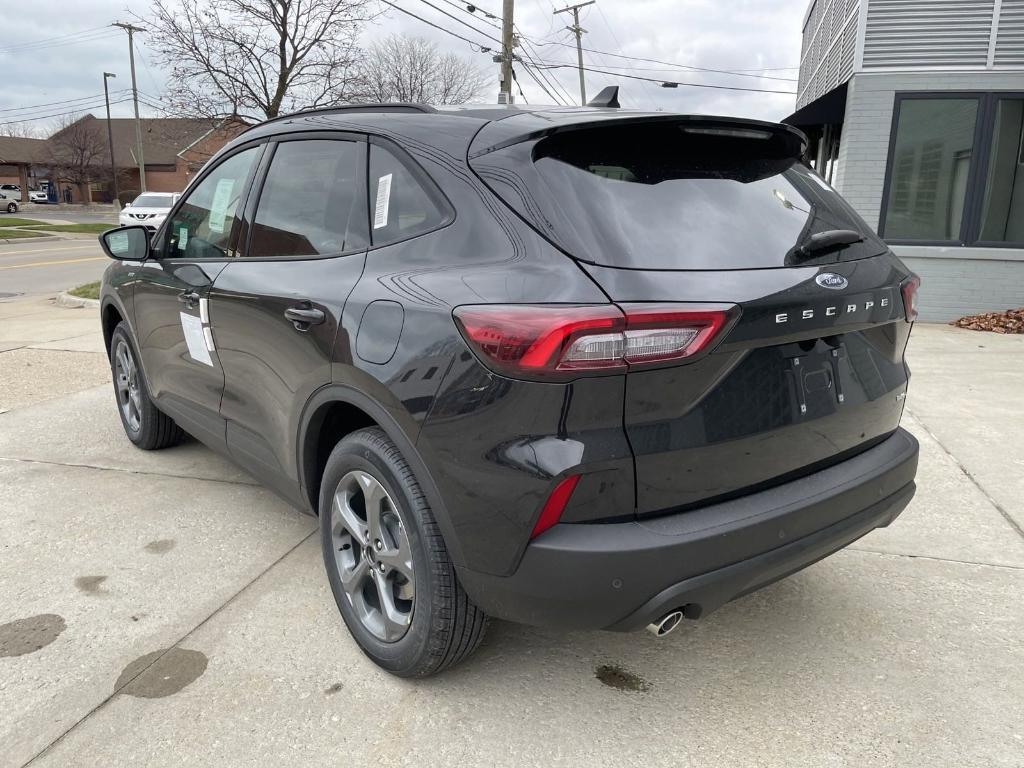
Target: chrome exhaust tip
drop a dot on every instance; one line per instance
(665, 624)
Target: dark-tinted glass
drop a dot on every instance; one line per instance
(203, 225)
(313, 201)
(931, 165)
(400, 205)
(672, 195)
(1003, 212)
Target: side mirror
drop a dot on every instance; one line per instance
(126, 243)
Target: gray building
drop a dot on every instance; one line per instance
(915, 111)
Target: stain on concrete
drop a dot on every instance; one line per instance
(161, 673)
(160, 546)
(91, 585)
(28, 635)
(616, 677)
(336, 688)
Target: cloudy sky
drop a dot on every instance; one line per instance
(55, 51)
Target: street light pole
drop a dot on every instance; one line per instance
(135, 98)
(577, 30)
(110, 141)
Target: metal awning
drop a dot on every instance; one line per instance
(829, 109)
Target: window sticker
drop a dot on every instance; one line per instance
(380, 212)
(195, 339)
(182, 239)
(219, 206)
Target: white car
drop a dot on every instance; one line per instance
(8, 202)
(149, 209)
(37, 196)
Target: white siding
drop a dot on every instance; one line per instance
(828, 48)
(1009, 49)
(925, 33)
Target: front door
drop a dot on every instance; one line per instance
(276, 310)
(172, 293)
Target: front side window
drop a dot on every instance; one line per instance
(956, 170)
(202, 227)
(400, 204)
(313, 201)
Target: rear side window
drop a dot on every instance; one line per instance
(313, 201)
(403, 202)
(674, 195)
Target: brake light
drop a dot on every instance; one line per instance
(551, 513)
(909, 290)
(562, 340)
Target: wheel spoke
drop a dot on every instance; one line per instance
(374, 499)
(395, 622)
(399, 558)
(344, 517)
(352, 578)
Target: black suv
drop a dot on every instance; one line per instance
(581, 368)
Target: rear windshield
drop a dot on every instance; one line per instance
(671, 195)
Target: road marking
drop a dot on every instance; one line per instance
(48, 250)
(51, 263)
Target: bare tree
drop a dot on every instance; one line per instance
(78, 153)
(22, 130)
(402, 68)
(256, 58)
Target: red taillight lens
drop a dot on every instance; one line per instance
(909, 290)
(555, 505)
(562, 341)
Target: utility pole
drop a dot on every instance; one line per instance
(505, 93)
(129, 28)
(110, 141)
(577, 30)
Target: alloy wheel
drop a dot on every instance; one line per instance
(373, 556)
(126, 378)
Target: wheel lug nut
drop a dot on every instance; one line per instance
(379, 545)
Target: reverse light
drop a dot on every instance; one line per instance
(910, 300)
(551, 513)
(560, 341)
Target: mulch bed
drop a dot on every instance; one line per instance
(1010, 321)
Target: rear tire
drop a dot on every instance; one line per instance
(144, 424)
(12, 208)
(375, 541)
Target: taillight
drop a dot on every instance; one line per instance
(562, 341)
(909, 290)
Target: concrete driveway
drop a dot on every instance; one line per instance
(162, 609)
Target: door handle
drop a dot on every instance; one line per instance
(304, 316)
(188, 298)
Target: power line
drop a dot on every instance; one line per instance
(32, 107)
(62, 114)
(674, 65)
(673, 82)
(432, 24)
(463, 23)
(46, 40)
(58, 43)
(487, 16)
(530, 53)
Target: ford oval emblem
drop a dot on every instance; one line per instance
(831, 280)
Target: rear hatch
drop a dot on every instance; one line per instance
(709, 211)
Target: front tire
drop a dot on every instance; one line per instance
(144, 424)
(387, 563)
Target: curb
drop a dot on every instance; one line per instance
(66, 300)
(19, 240)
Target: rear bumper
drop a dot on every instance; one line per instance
(622, 576)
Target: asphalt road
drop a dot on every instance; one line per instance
(160, 608)
(30, 268)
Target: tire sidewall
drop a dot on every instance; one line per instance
(121, 333)
(356, 452)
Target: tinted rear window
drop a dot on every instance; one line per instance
(153, 201)
(671, 195)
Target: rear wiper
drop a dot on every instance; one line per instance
(828, 240)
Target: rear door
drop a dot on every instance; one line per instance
(172, 292)
(276, 309)
(699, 211)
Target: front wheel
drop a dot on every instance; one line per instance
(387, 563)
(144, 424)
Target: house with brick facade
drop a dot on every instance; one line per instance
(915, 113)
(76, 159)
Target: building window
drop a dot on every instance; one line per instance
(955, 173)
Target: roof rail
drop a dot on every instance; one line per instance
(380, 107)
